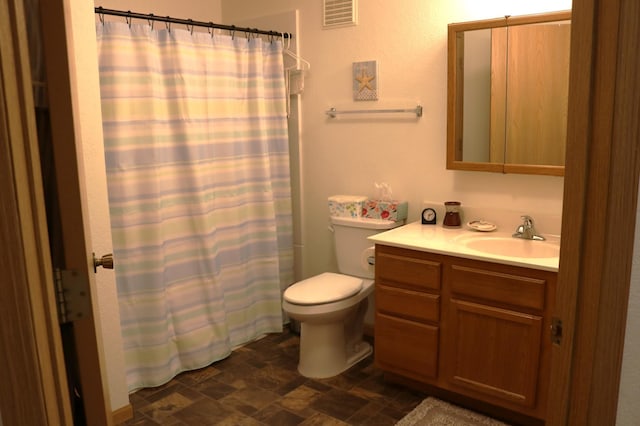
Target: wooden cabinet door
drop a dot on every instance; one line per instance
(406, 347)
(492, 352)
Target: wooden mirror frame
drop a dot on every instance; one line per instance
(454, 106)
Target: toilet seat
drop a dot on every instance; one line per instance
(324, 288)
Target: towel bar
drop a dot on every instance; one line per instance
(332, 112)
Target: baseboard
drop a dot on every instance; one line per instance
(122, 414)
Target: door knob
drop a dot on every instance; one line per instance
(105, 261)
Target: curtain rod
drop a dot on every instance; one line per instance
(188, 22)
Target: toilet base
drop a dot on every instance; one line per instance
(360, 352)
(323, 353)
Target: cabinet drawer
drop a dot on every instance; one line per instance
(525, 292)
(408, 303)
(406, 347)
(410, 271)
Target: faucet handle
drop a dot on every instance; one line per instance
(526, 230)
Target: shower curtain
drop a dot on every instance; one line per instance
(196, 150)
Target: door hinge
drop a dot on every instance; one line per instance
(556, 330)
(72, 295)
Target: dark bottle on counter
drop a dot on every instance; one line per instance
(452, 215)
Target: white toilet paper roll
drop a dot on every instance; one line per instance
(368, 258)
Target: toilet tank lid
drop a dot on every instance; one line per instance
(365, 222)
(324, 288)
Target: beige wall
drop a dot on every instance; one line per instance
(408, 39)
(198, 10)
(628, 407)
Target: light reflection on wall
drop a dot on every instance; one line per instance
(494, 8)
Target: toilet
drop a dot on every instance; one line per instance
(331, 307)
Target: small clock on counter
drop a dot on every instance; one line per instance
(428, 216)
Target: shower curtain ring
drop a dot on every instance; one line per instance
(167, 24)
(233, 32)
(128, 18)
(151, 21)
(101, 18)
(190, 26)
(210, 29)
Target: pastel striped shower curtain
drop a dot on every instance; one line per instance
(197, 160)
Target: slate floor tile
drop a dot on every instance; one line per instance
(258, 384)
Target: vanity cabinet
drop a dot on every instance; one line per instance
(470, 327)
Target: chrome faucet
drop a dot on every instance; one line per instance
(527, 231)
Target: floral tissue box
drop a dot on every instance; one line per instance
(388, 210)
(346, 205)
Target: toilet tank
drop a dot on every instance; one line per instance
(350, 239)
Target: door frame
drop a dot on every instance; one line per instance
(599, 212)
(34, 385)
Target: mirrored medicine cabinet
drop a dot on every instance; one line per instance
(508, 84)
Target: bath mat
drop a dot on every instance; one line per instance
(433, 412)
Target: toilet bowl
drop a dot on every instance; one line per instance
(331, 307)
(331, 327)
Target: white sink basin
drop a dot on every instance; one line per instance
(511, 247)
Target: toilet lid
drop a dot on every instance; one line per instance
(324, 288)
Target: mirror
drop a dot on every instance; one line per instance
(508, 84)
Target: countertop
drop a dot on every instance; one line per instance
(440, 240)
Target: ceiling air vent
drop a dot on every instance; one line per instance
(339, 13)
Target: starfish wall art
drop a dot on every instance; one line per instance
(365, 81)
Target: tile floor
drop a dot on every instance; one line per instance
(259, 385)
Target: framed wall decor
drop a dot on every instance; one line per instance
(365, 81)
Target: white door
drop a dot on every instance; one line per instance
(74, 97)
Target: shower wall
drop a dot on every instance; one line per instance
(197, 10)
